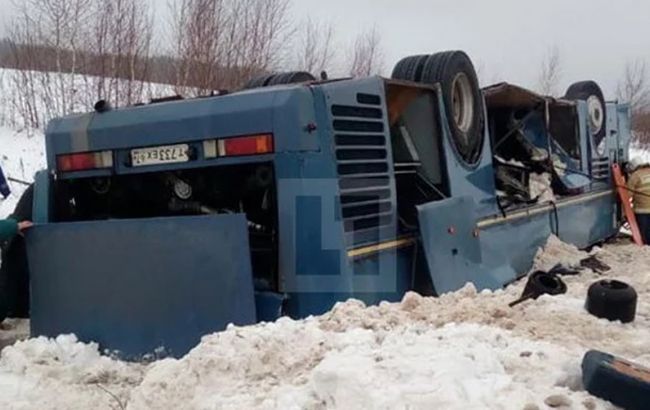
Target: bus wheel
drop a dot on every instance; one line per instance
(291, 77)
(463, 100)
(590, 92)
(410, 68)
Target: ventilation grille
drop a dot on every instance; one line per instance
(600, 169)
(363, 164)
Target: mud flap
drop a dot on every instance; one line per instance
(453, 249)
(141, 286)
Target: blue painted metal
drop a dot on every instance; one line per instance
(453, 247)
(269, 306)
(141, 286)
(477, 181)
(623, 383)
(318, 260)
(42, 192)
(582, 224)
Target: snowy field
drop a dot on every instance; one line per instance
(465, 350)
(22, 154)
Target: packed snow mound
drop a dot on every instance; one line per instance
(298, 365)
(62, 374)
(464, 350)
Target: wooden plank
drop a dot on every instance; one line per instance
(624, 195)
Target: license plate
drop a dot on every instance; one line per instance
(167, 154)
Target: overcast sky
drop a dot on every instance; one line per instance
(506, 38)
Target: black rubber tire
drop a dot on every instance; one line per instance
(292, 77)
(544, 283)
(443, 68)
(14, 272)
(410, 68)
(258, 82)
(584, 90)
(612, 300)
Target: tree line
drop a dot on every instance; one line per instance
(70, 53)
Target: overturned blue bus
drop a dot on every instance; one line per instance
(163, 222)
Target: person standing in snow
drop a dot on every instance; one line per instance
(639, 186)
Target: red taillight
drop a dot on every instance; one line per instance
(84, 161)
(251, 145)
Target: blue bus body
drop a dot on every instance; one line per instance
(338, 224)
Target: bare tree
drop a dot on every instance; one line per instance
(367, 56)
(199, 29)
(633, 87)
(121, 47)
(222, 43)
(315, 50)
(550, 72)
(54, 41)
(47, 39)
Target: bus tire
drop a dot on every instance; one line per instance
(590, 92)
(410, 68)
(291, 77)
(463, 100)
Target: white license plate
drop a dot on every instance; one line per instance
(167, 154)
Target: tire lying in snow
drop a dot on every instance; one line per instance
(455, 73)
(14, 273)
(590, 92)
(612, 300)
(280, 78)
(541, 283)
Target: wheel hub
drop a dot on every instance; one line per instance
(596, 114)
(462, 102)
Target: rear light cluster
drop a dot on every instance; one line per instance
(84, 161)
(239, 146)
(227, 147)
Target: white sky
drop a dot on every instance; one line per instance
(505, 38)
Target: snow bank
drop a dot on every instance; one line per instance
(63, 374)
(464, 350)
(298, 365)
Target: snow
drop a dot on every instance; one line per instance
(640, 152)
(464, 350)
(540, 187)
(22, 154)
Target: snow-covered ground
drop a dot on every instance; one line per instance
(464, 350)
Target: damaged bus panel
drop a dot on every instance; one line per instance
(171, 220)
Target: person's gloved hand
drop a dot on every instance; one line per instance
(24, 225)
